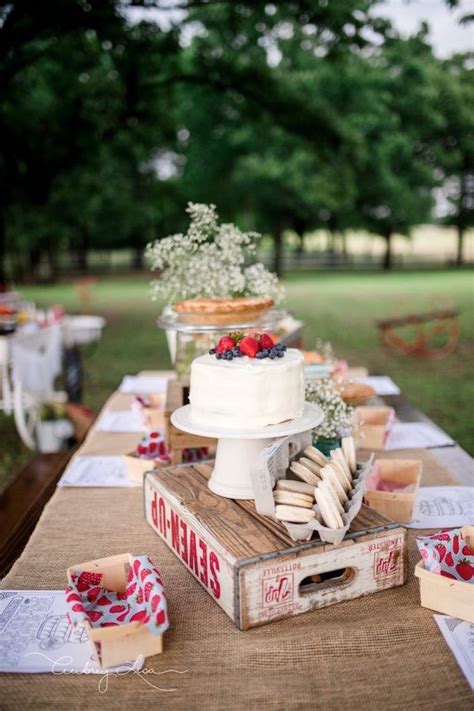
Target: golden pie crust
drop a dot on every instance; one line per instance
(356, 393)
(222, 310)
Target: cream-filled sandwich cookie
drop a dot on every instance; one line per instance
(300, 487)
(309, 464)
(315, 455)
(294, 514)
(338, 456)
(349, 452)
(330, 516)
(326, 486)
(342, 474)
(304, 474)
(291, 498)
(329, 473)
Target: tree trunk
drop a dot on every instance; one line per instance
(460, 254)
(278, 250)
(300, 246)
(344, 244)
(387, 260)
(83, 253)
(34, 259)
(137, 259)
(53, 267)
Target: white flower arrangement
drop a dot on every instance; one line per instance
(209, 261)
(326, 349)
(338, 415)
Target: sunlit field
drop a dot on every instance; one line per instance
(341, 308)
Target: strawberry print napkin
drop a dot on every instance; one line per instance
(195, 454)
(447, 553)
(142, 601)
(153, 446)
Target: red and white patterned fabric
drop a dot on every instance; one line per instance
(447, 553)
(143, 600)
(195, 454)
(153, 446)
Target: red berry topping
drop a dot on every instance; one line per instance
(225, 344)
(249, 346)
(154, 435)
(266, 341)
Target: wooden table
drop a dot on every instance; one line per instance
(377, 652)
(454, 458)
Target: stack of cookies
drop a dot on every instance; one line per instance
(326, 482)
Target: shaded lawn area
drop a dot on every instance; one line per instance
(337, 307)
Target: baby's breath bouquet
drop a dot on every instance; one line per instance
(338, 416)
(209, 260)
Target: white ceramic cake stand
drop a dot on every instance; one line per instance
(237, 451)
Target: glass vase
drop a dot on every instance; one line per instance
(326, 444)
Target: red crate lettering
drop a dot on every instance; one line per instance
(185, 542)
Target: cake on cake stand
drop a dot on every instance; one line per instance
(237, 451)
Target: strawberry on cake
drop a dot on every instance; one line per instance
(247, 382)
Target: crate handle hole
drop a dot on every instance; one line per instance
(328, 579)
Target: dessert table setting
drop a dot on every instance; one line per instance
(37, 346)
(260, 526)
(298, 658)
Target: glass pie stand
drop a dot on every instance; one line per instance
(237, 451)
(187, 341)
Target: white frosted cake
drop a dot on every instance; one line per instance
(247, 393)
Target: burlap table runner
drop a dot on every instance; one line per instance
(379, 652)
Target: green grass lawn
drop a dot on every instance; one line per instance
(339, 307)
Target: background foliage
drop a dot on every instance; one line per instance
(299, 114)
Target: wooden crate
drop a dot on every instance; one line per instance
(451, 597)
(250, 565)
(126, 642)
(177, 395)
(136, 467)
(395, 504)
(373, 425)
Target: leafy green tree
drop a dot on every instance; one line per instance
(288, 115)
(281, 146)
(455, 143)
(396, 181)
